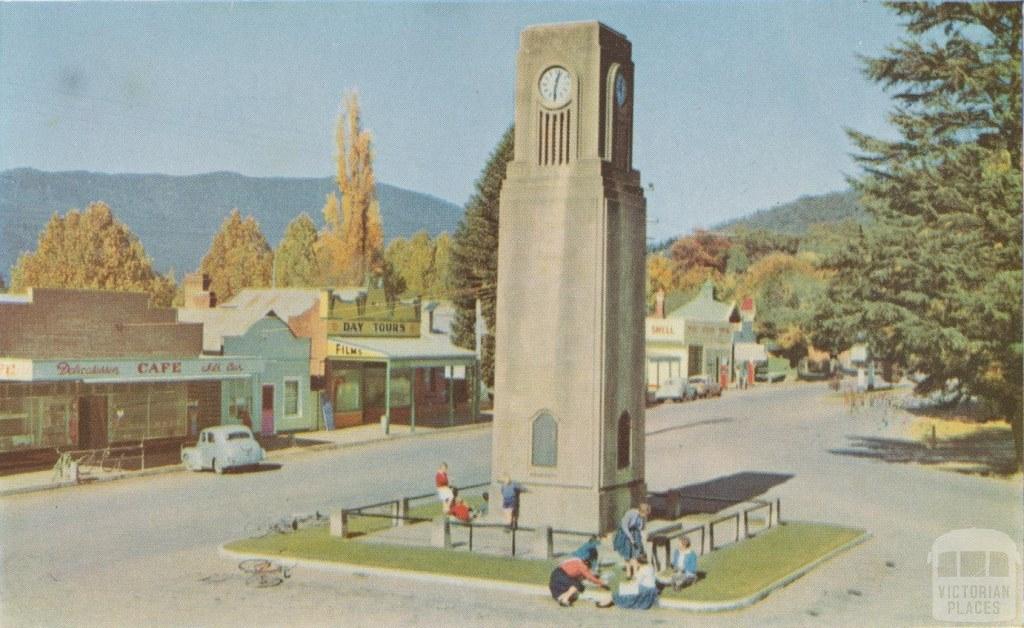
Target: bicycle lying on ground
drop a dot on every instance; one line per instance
(285, 525)
(264, 573)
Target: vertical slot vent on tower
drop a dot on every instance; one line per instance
(554, 133)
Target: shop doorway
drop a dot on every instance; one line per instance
(267, 415)
(92, 422)
(374, 387)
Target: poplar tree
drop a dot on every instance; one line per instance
(442, 267)
(935, 282)
(474, 257)
(239, 257)
(91, 249)
(295, 261)
(353, 242)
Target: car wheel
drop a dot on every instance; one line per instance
(218, 468)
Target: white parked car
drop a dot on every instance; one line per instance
(675, 389)
(706, 387)
(223, 447)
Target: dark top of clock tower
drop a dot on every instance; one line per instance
(574, 97)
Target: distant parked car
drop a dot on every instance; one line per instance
(223, 447)
(763, 373)
(675, 389)
(705, 386)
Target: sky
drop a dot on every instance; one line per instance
(738, 105)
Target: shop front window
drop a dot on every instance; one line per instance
(239, 395)
(292, 405)
(401, 388)
(347, 391)
(14, 423)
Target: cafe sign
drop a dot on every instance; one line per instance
(14, 369)
(143, 370)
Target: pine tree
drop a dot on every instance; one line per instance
(295, 261)
(474, 257)
(239, 257)
(935, 282)
(91, 249)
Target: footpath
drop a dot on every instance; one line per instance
(295, 444)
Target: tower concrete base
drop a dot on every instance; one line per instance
(574, 508)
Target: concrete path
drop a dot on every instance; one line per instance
(143, 551)
(306, 443)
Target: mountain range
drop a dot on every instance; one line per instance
(176, 217)
(794, 217)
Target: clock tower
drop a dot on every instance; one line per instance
(569, 358)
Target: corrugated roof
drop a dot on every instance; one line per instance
(248, 306)
(704, 307)
(285, 302)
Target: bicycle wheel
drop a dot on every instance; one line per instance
(263, 580)
(255, 565)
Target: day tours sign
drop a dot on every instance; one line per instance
(373, 328)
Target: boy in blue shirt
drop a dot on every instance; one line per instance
(684, 565)
(510, 501)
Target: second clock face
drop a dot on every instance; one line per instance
(620, 89)
(555, 86)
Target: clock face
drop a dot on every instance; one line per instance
(555, 86)
(620, 89)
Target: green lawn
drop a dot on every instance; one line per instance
(738, 571)
(318, 544)
(733, 572)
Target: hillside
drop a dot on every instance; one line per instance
(795, 217)
(176, 217)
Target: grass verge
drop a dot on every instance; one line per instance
(731, 573)
(743, 569)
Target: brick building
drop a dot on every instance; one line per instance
(88, 368)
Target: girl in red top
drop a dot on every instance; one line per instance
(444, 491)
(567, 579)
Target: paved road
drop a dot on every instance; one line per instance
(142, 552)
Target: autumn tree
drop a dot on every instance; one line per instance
(662, 274)
(239, 257)
(440, 287)
(701, 249)
(474, 257)
(935, 282)
(353, 240)
(787, 290)
(295, 261)
(91, 249)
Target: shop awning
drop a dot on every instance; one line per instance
(426, 351)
